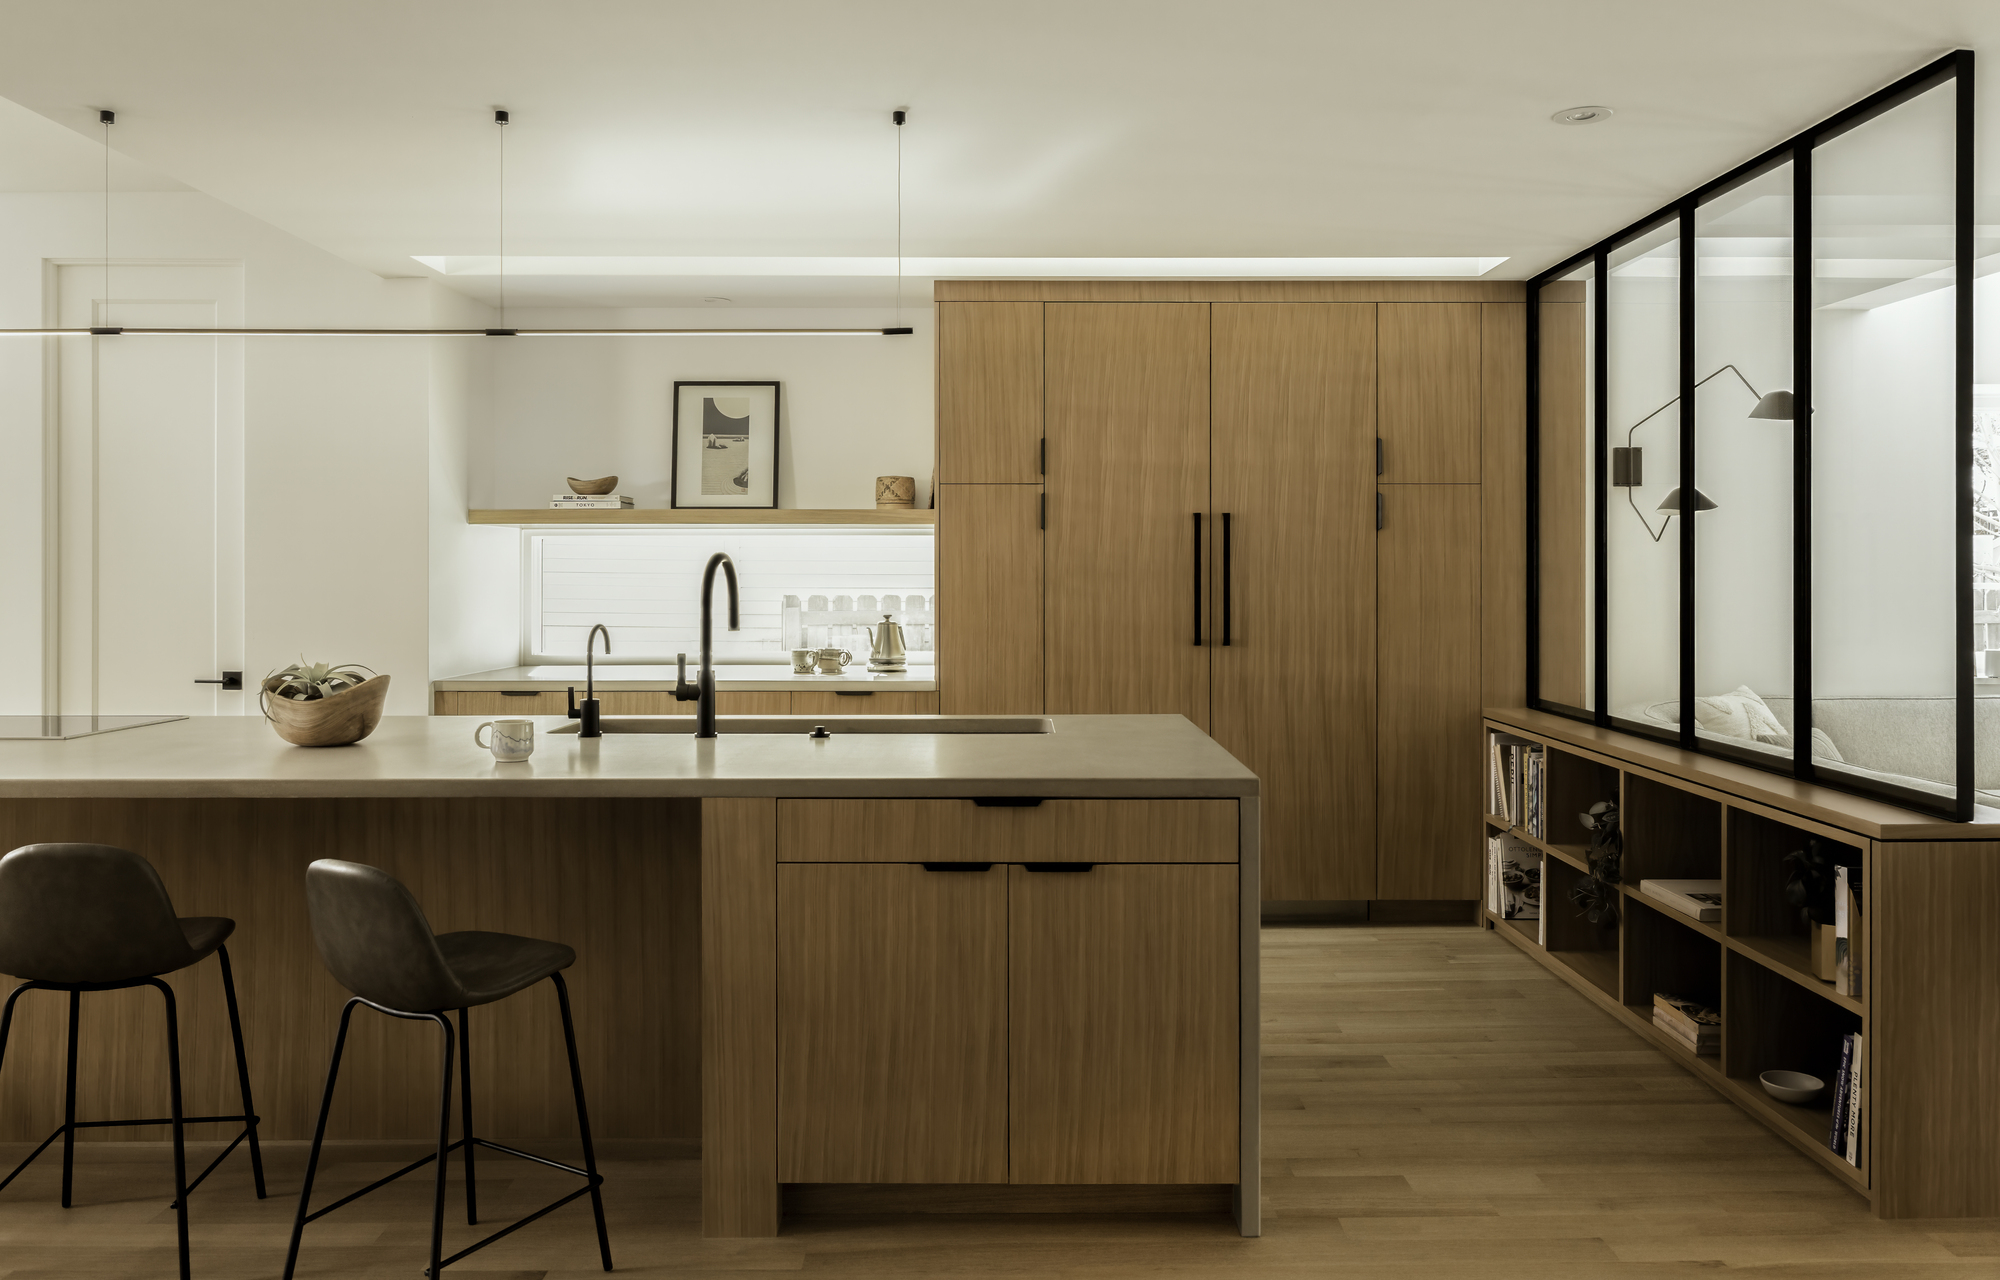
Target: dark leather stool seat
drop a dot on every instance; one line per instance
(92, 917)
(375, 940)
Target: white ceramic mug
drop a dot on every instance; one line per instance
(512, 739)
(802, 661)
(833, 661)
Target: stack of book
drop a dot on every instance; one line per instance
(1513, 878)
(1847, 967)
(1695, 1026)
(1696, 899)
(1845, 1136)
(1516, 769)
(590, 502)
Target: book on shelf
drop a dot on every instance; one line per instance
(1847, 958)
(1513, 878)
(1706, 1043)
(1691, 1017)
(1696, 899)
(1503, 775)
(1845, 1134)
(608, 502)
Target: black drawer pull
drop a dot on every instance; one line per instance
(520, 693)
(1062, 868)
(1007, 802)
(854, 693)
(958, 866)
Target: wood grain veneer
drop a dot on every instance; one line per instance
(616, 879)
(701, 515)
(739, 1026)
(989, 392)
(962, 831)
(1294, 692)
(989, 566)
(490, 702)
(1503, 572)
(1229, 291)
(1128, 471)
(892, 1024)
(871, 703)
(1430, 392)
(1431, 762)
(1123, 992)
(1564, 537)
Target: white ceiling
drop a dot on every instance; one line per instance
(759, 128)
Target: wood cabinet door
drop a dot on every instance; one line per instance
(989, 566)
(892, 1023)
(1294, 695)
(1124, 1028)
(1428, 756)
(864, 702)
(494, 702)
(1430, 392)
(989, 392)
(1128, 474)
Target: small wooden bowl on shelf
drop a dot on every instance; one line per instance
(593, 488)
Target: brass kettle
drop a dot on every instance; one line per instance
(888, 652)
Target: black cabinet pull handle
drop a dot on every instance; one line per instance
(1378, 512)
(1378, 455)
(1197, 579)
(1228, 565)
(1007, 802)
(853, 693)
(520, 693)
(957, 866)
(1059, 868)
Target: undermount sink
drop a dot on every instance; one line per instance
(726, 725)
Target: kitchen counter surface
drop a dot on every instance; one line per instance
(423, 756)
(741, 678)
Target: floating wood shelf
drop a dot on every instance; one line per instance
(727, 515)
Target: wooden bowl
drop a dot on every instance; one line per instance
(347, 717)
(592, 488)
(1791, 1086)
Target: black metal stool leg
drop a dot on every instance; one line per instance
(180, 1129)
(465, 1106)
(583, 1120)
(443, 1154)
(242, 1071)
(69, 1103)
(319, 1137)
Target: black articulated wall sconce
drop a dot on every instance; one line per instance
(1628, 463)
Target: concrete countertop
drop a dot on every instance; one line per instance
(417, 756)
(735, 678)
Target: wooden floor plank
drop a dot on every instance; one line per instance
(1436, 1105)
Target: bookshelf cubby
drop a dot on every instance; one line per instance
(1929, 940)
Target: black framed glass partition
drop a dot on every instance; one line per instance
(1764, 494)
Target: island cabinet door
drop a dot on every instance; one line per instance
(1124, 1026)
(892, 1023)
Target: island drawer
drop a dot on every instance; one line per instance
(967, 831)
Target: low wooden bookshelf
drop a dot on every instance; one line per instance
(1929, 1011)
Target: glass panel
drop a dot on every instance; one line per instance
(1643, 544)
(1884, 466)
(1743, 458)
(1566, 547)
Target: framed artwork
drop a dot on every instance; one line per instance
(725, 444)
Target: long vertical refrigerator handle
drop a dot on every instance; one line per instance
(1197, 579)
(1228, 564)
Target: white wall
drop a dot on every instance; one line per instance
(851, 408)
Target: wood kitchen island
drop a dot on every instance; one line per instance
(1011, 969)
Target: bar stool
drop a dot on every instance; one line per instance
(92, 917)
(377, 943)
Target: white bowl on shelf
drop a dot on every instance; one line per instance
(1791, 1086)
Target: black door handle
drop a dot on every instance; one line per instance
(1059, 868)
(1228, 563)
(231, 682)
(1197, 579)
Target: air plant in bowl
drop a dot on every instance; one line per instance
(319, 704)
(1597, 893)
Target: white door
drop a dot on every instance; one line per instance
(151, 494)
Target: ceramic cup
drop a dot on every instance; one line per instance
(802, 661)
(833, 661)
(512, 739)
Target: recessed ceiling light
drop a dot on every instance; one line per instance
(1582, 115)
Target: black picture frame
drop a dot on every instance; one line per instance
(674, 496)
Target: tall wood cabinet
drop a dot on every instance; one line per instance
(1260, 506)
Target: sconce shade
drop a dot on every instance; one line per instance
(1702, 502)
(1775, 404)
